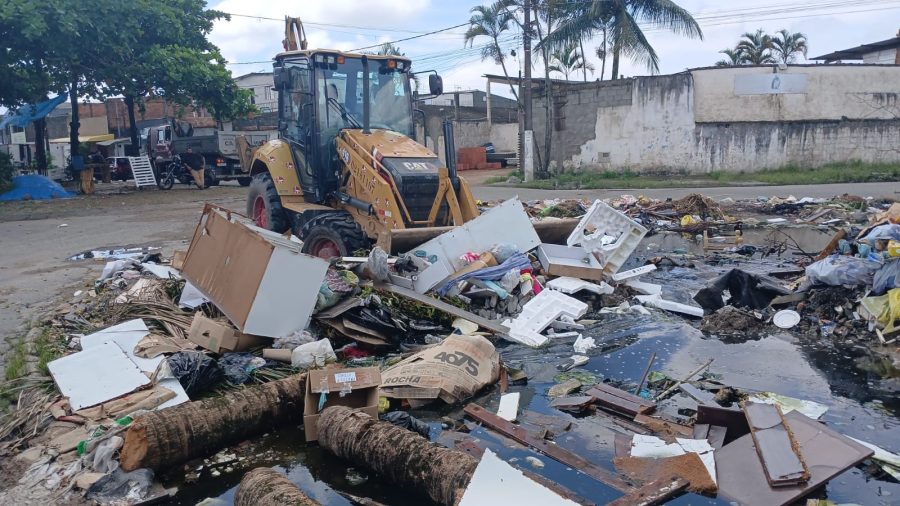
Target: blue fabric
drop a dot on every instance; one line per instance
(35, 187)
(517, 261)
(30, 112)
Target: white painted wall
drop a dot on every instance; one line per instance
(505, 137)
(883, 57)
(261, 84)
(831, 92)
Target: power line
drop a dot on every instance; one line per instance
(413, 37)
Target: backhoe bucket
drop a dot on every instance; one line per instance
(398, 241)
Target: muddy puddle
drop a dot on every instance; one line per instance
(858, 386)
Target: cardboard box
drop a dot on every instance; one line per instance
(570, 261)
(178, 259)
(219, 338)
(259, 279)
(355, 388)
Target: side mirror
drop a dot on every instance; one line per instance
(281, 78)
(282, 125)
(435, 84)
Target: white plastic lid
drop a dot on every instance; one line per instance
(786, 318)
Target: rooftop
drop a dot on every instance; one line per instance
(856, 53)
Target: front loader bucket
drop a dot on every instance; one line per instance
(397, 241)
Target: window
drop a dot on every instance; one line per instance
(267, 93)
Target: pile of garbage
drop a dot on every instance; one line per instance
(244, 332)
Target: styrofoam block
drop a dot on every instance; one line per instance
(633, 273)
(526, 337)
(600, 224)
(539, 313)
(509, 406)
(668, 305)
(566, 284)
(643, 287)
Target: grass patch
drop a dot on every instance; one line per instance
(849, 172)
(47, 348)
(15, 365)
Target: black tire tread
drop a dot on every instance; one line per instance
(339, 223)
(262, 184)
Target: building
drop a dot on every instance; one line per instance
(743, 118)
(885, 52)
(262, 84)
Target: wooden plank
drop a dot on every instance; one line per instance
(620, 401)
(660, 425)
(551, 450)
(840, 234)
(577, 403)
(655, 492)
(730, 418)
(701, 396)
(775, 445)
(443, 306)
(624, 395)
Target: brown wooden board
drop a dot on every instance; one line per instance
(576, 403)
(655, 492)
(731, 418)
(742, 478)
(551, 450)
(775, 445)
(443, 306)
(620, 401)
(665, 427)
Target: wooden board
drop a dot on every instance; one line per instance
(620, 401)
(775, 445)
(493, 326)
(551, 450)
(655, 492)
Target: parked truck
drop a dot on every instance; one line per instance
(222, 150)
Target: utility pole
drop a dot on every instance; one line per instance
(527, 150)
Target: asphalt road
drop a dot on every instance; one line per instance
(38, 237)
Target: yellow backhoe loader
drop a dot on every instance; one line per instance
(345, 170)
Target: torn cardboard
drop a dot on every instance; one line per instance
(451, 371)
(354, 388)
(219, 337)
(258, 279)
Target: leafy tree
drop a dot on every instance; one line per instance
(568, 60)
(756, 48)
(733, 57)
(490, 21)
(787, 45)
(389, 49)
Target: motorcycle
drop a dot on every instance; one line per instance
(177, 169)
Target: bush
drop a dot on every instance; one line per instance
(6, 172)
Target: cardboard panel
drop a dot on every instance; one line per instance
(355, 388)
(96, 375)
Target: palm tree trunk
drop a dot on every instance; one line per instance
(505, 73)
(583, 58)
(615, 64)
(548, 102)
(603, 60)
(74, 125)
(135, 148)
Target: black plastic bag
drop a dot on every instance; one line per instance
(118, 485)
(745, 290)
(407, 421)
(196, 371)
(238, 366)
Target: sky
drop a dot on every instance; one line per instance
(249, 43)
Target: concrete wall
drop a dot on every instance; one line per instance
(727, 119)
(505, 137)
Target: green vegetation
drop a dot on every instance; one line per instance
(15, 364)
(850, 172)
(47, 348)
(6, 172)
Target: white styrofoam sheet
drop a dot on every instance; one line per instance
(507, 223)
(570, 285)
(191, 297)
(161, 271)
(126, 336)
(96, 375)
(509, 406)
(496, 482)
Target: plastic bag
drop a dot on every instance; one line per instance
(407, 421)
(292, 340)
(886, 231)
(102, 460)
(377, 264)
(502, 252)
(196, 371)
(311, 355)
(884, 308)
(119, 485)
(842, 270)
(745, 290)
(510, 280)
(886, 278)
(238, 366)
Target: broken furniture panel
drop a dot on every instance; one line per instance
(732, 419)
(96, 374)
(620, 401)
(775, 445)
(743, 480)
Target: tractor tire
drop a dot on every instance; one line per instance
(264, 204)
(244, 181)
(333, 234)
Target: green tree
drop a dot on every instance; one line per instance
(389, 49)
(756, 48)
(733, 58)
(490, 21)
(623, 19)
(568, 60)
(787, 45)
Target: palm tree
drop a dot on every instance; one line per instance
(734, 58)
(756, 48)
(389, 49)
(622, 17)
(568, 60)
(490, 21)
(786, 45)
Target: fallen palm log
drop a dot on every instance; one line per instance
(396, 454)
(266, 487)
(195, 429)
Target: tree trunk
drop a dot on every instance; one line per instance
(194, 429)
(583, 58)
(615, 63)
(135, 148)
(505, 73)
(266, 487)
(74, 125)
(401, 456)
(603, 60)
(40, 145)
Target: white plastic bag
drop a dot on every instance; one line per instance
(313, 355)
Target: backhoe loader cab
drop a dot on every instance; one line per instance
(346, 170)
